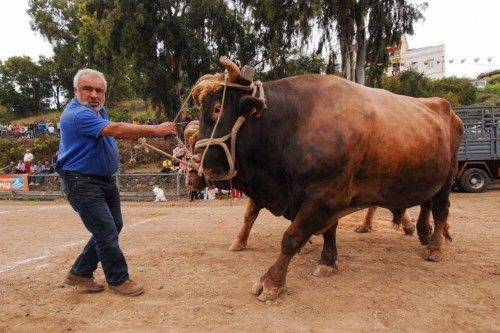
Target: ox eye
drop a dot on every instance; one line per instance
(216, 112)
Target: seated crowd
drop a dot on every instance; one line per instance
(29, 130)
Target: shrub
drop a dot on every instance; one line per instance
(460, 87)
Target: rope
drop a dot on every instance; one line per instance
(200, 170)
(143, 143)
(183, 104)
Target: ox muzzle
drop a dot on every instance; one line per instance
(230, 153)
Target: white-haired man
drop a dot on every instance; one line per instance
(88, 158)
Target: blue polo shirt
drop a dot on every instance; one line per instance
(82, 148)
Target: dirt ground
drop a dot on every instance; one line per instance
(194, 284)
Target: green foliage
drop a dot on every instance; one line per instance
(303, 64)
(24, 89)
(460, 87)
(409, 83)
(57, 21)
(458, 91)
(490, 95)
(5, 115)
(494, 79)
(118, 115)
(13, 148)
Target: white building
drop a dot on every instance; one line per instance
(429, 60)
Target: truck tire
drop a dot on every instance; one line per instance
(474, 180)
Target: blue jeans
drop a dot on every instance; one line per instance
(97, 200)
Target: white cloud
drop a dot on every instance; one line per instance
(16, 36)
(468, 29)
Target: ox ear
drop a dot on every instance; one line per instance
(251, 105)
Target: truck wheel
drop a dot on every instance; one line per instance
(474, 180)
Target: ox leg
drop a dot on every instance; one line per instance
(251, 213)
(424, 228)
(440, 210)
(367, 225)
(310, 220)
(408, 224)
(402, 217)
(328, 262)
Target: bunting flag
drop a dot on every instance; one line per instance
(476, 61)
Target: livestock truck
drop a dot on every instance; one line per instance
(479, 154)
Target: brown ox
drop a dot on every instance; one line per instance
(252, 210)
(316, 148)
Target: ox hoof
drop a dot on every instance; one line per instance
(424, 239)
(257, 288)
(435, 255)
(237, 246)
(409, 231)
(362, 229)
(324, 270)
(263, 294)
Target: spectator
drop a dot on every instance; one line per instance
(54, 158)
(20, 167)
(49, 168)
(193, 195)
(179, 152)
(235, 194)
(28, 158)
(50, 128)
(38, 170)
(11, 168)
(166, 166)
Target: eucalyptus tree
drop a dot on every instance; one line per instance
(79, 39)
(169, 43)
(282, 29)
(23, 88)
(363, 29)
(57, 22)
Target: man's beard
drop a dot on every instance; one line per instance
(95, 108)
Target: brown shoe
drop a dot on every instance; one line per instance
(86, 283)
(128, 288)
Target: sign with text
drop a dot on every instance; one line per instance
(9, 183)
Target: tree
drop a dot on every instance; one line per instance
(453, 86)
(280, 29)
(79, 40)
(409, 83)
(170, 43)
(56, 21)
(23, 88)
(364, 29)
(49, 75)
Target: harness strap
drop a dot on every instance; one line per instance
(230, 152)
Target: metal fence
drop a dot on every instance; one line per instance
(133, 186)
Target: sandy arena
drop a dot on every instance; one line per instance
(194, 284)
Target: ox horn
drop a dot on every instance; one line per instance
(232, 69)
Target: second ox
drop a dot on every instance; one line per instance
(316, 148)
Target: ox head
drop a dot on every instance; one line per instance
(225, 101)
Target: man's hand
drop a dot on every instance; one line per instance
(166, 128)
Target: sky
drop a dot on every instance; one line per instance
(468, 29)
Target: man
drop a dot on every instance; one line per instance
(28, 158)
(11, 168)
(87, 159)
